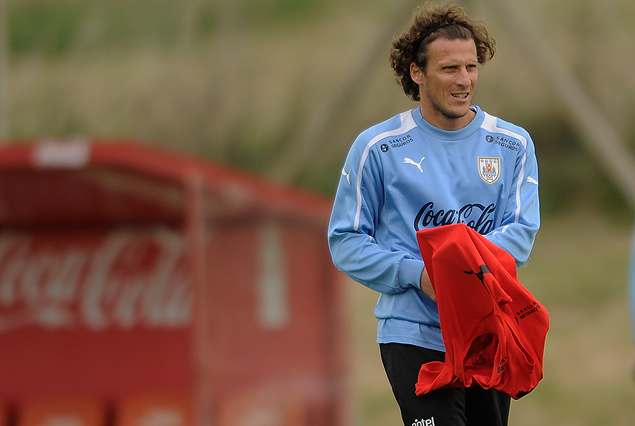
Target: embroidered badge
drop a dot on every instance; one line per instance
(489, 168)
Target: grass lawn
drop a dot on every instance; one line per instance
(578, 270)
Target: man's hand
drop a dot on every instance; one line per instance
(426, 286)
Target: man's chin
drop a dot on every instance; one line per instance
(455, 115)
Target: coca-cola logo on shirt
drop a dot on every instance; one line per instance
(123, 279)
(477, 216)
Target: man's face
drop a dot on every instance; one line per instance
(448, 84)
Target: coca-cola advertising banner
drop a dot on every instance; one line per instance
(119, 279)
(102, 312)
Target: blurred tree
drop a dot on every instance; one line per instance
(316, 133)
(596, 131)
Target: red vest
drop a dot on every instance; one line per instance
(493, 329)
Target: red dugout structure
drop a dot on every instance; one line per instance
(129, 273)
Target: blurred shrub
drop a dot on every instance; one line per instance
(44, 27)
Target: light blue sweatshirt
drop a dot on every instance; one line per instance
(403, 175)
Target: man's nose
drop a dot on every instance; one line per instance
(464, 78)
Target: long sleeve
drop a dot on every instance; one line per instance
(521, 218)
(356, 212)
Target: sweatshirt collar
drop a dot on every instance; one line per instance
(450, 135)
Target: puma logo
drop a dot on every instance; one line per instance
(414, 163)
(348, 175)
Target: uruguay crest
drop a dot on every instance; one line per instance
(489, 168)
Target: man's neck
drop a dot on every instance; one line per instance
(444, 122)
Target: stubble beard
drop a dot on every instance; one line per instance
(444, 111)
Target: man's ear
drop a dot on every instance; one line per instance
(416, 73)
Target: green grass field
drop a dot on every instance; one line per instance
(578, 270)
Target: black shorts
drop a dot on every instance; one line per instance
(473, 406)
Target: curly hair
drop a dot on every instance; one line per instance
(429, 23)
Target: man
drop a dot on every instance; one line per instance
(444, 162)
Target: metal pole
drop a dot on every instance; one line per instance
(196, 235)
